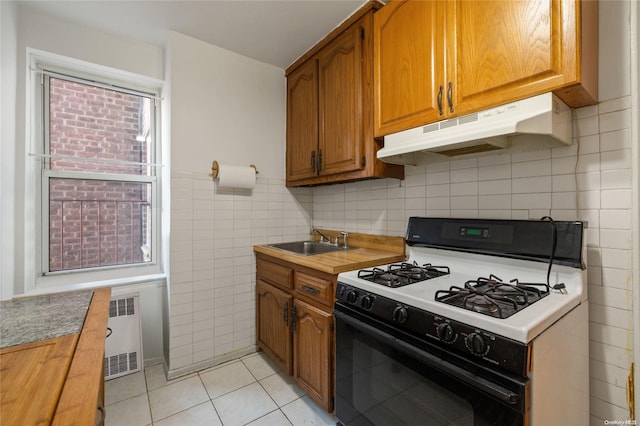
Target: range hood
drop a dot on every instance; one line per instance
(539, 119)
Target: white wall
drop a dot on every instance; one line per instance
(228, 108)
(590, 181)
(8, 98)
(224, 107)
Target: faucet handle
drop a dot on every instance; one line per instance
(345, 236)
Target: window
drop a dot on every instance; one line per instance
(98, 190)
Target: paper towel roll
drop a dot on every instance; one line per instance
(236, 176)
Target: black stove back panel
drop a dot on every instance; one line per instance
(518, 239)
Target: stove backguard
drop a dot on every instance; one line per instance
(518, 239)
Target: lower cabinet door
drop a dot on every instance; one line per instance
(273, 315)
(312, 343)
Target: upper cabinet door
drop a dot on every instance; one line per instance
(340, 71)
(435, 60)
(302, 122)
(409, 64)
(507, 50)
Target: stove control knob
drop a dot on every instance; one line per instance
(367, 302)
(400, 314)
(352, 296)
(445, 333)
(476, 344)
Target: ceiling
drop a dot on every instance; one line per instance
(273, 31)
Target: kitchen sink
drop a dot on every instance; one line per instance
(306, 247)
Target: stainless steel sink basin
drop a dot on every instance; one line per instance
(306, 247)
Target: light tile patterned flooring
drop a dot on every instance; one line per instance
(248, 391)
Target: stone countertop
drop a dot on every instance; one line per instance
(42, 317)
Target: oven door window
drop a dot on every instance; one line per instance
(379, 383)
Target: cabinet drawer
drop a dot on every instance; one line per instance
(275, 274)
(314, 288)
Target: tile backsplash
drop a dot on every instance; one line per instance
(579, 181)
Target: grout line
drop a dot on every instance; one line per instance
(146, 386)
(210, 399)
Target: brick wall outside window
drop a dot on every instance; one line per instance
(95, 222)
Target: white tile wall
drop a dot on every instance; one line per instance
(589, 180)
(212, 271)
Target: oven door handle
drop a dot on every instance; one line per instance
(473, 380)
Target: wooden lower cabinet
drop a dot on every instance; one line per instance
(294, 324)
(313, 354)
(273, 309)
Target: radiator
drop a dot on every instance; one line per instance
(123, 346)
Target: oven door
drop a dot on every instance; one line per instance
(384, 379)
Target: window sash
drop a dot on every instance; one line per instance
(47, 173)
(103, 83)
(46, 199)
(46, 103)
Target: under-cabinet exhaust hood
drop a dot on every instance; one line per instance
(539, 120)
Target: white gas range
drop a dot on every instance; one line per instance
(478, 299)
(523, 326)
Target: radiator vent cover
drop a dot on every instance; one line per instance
(123, 347)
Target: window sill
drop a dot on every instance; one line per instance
(90, 280)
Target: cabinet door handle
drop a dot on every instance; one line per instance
(319, 161)
(285, 310)
(440, 100)
(310, 289)
(450, 96)
(313, 161)
(294, 318)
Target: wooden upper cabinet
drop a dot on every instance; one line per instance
(340, 103)
(302, 121)
(468, 56)
(330, 109)
(408, 64)
(530, 47)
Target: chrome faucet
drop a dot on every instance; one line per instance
(323, 238)
(327, 240)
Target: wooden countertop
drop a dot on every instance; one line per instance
(364, 251)
(58, 379)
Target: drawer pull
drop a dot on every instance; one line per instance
(311, 290)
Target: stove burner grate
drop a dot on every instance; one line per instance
(491, 296)
(401, 274)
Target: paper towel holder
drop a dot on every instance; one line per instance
(215, 169)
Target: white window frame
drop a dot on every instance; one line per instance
(37, 275)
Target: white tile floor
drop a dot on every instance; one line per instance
(248, 391)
